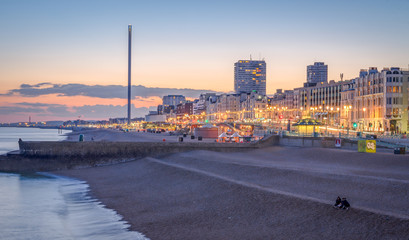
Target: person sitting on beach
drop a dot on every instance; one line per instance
(344, 204)
(337, 202)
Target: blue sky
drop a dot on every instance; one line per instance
(194, 44)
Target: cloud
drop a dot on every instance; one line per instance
(100, 91)
(98, 111)
(38, 104)
(110, 111)
(39, 85)
(61, 111)
(13, 110)
(68, 101)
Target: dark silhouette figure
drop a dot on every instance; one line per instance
(337, 202)
(344, 204)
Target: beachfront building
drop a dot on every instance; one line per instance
(250, 75)
(212, 108)
(229, 106)
(199, 106)
(224, 107)
(381, 101)
(253, 107)
(165, 109)
(322, 101)
(185, 108)
(284, 105)
(347, 102)
(237, 107)
(375, 102)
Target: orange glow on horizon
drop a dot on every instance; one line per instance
(77, 101)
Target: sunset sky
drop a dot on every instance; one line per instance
(64, 59)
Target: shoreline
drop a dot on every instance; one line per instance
(200, 195)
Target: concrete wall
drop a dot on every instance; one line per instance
(48, 156)
(130, 149)
(325, 142)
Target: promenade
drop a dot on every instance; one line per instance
(120, 136)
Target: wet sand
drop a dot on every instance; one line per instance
(272, 193)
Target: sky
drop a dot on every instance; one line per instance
(60, 60)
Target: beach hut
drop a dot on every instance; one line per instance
(257, 136)
(223, 137)
(207, 131)
(307, 126)
(236, 137)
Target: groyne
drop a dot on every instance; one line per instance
(50, 156)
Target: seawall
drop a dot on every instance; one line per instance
(324, 142)
(50, 156)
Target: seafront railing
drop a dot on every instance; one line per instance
(382, 141)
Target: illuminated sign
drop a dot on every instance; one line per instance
(368, 146)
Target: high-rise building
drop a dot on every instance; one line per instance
(173, 100)
(317, 73)
(250, 75)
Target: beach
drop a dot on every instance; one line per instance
(271, 193)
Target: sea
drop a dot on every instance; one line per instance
(45, 206)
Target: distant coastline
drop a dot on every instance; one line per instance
(42, 127)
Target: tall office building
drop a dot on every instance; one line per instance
(250, 76)
(316, 73)
(173, 100)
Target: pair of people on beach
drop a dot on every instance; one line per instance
(341, 203)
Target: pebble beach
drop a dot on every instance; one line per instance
(271, 193)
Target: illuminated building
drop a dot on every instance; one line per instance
(253, 106)
(199, 106)
(317, 73)
(381, 100)
(347, 102)
(185, 108)
(173, 100)
(250, 75)
(165, 109)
